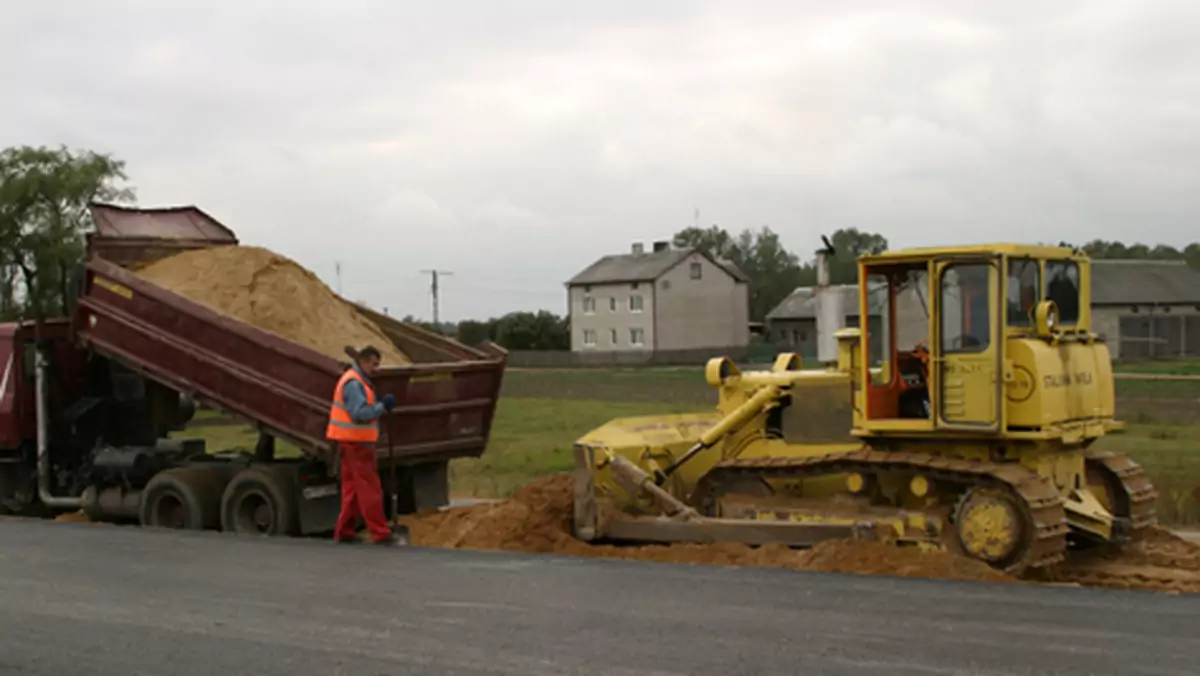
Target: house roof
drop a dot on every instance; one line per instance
(643, 267)
(800, 303)
(1133, 282)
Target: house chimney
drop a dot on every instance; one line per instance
(638, 248)
(661, 246)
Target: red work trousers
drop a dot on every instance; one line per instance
(361, 493)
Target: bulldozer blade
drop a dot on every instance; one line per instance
(745, 531)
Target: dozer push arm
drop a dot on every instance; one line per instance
(738, 417)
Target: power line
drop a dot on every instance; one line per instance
(433, 290)
(496, 290)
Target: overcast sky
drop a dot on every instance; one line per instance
(514, 142)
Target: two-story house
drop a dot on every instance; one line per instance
(661, 300)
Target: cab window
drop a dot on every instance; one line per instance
(964, 320)
(1062, 287)
(1024, 289)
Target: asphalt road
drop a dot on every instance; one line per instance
(99, 600)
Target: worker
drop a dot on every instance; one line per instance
(354, 425)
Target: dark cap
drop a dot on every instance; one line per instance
(368, 352)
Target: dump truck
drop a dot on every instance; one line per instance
(973, 430)
(94, 405)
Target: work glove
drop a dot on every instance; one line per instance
(389, 402)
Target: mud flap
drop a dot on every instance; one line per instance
(318, 504)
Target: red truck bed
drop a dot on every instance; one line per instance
(445, 400)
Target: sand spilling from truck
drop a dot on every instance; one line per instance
(537, 519)
(273, 293)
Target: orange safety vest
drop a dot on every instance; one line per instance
(342, 427)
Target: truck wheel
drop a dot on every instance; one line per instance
(260, 501)
(185, 497)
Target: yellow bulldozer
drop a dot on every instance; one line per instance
(960, 414)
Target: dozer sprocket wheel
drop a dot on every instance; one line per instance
(1131, 496)
(1044, 535)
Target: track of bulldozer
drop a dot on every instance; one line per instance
(1135, 485)
(1046, 542)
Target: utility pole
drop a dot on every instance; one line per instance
(433, 290)
(337, 271)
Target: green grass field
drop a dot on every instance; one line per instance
(1182, 366)
(534, 437)
(541, 413)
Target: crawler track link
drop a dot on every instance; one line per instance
(1137, 495)
(1041, 503)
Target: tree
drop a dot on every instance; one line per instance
(848, 245)
(774, 271)
(44, 198)
(473, 332)
(533, 331)
(1101, 249)
(540, 330)
(713, 241)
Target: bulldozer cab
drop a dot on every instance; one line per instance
(938, 328)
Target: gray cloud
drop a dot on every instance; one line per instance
(514, 142)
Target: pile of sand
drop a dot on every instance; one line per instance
(1161, 561)
(538, 519)
(272, 293)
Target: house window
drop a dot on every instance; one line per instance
(589, 337)
(612, 304)
(697, 270)
(589, 305)
(635, 303)
(614, 336)
(637, 337)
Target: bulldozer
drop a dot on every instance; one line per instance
(960, 414)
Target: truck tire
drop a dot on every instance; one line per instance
(184, 497)
(260, 501)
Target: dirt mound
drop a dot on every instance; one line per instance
(1161, 561)
(273, 293)
(876, 558)
(538, 519)
(73, 517)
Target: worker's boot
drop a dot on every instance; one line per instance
(398, 538)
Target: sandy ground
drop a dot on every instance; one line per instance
(537, 519)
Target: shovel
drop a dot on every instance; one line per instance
(398, 529)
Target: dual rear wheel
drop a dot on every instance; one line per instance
(259, 500)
